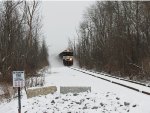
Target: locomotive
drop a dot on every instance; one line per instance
(67, 57)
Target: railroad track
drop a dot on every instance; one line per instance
(102, 76)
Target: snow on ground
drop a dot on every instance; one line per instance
(74, 78)
(104, 97)
(137, 86)
(78, 103)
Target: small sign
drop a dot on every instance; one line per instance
(18, 79)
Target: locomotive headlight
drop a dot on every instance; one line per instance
(70, 58)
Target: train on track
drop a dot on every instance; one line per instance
(67, 57)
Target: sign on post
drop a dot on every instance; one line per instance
(18, 79)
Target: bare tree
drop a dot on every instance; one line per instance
(114, 37)
(20, 47)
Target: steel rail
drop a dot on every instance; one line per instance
(132, 88)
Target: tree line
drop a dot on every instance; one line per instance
(114, 37)
(21, 47)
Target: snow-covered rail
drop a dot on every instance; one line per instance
(134, 85)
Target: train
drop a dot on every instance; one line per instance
(67, 57)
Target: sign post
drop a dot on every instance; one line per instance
(19, 101)
(18, 81)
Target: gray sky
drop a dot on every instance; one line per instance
(60, 19)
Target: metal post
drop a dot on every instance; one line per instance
(19, 101)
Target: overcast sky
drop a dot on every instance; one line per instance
(60, 21)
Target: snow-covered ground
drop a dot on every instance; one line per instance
(137, 86)
(104, 97)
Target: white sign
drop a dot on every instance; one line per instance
(18, 79)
